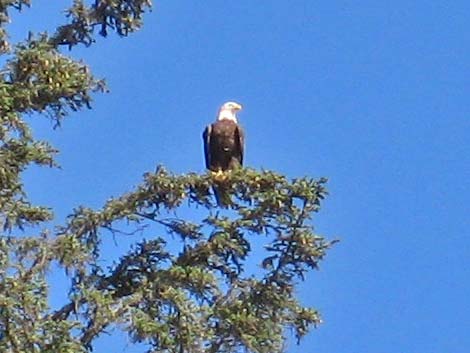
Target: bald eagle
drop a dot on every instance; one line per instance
(224, 140)
(224, 144)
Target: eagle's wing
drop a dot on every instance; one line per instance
(240, 141)
(206, 136)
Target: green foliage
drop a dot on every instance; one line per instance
(195, 298)
(122, 16)
(5, 19)
(186, 285)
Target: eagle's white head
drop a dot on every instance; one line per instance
(228, 111)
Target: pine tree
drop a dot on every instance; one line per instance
(183, 286)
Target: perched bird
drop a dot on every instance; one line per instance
(224, 144)
(224, 140)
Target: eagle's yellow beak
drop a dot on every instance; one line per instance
(237, 107)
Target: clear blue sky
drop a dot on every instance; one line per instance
(373, 96)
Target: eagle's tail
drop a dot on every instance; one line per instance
(222, 196)
(221, 193)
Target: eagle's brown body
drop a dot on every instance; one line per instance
(223, 145)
